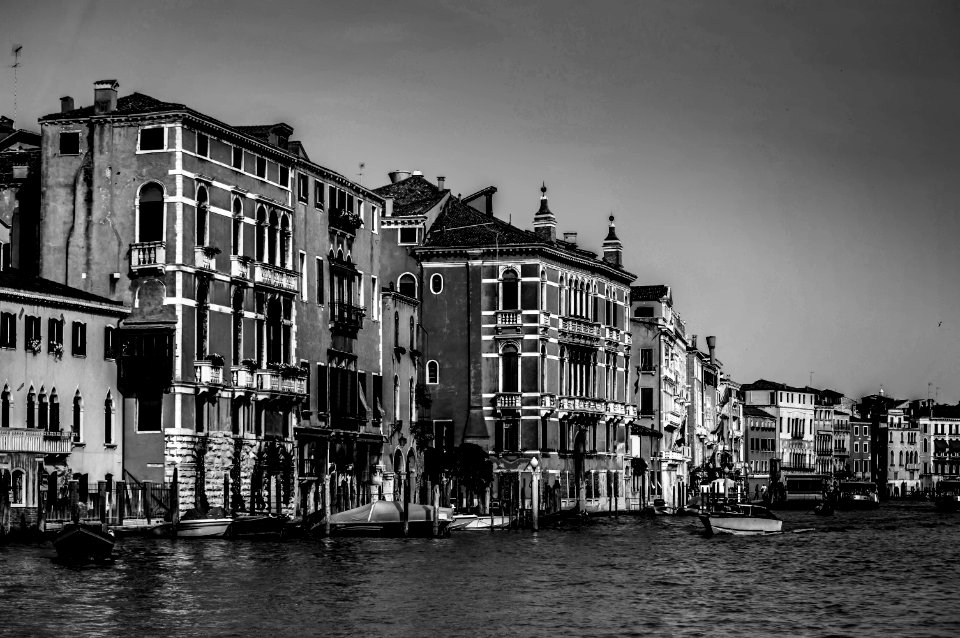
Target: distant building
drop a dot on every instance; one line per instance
(19, 197)
(860, 448)
(903, 445)
(874, 408)
(793, 407)
(761, 446)
(940, 451)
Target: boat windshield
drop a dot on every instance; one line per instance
(858, 488)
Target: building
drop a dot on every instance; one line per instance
(793, 407)
(904, 446)
(527, 337)
(823, 422)
(940, 447)
(248, 334)
(731, 433)
(761, 447)
(874, 408)
(860, 448)
(60, 408)
(660, 394)
(19, 197)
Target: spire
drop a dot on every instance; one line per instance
(544, 222)
(612, 247)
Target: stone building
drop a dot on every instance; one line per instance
(529, 342)
(904, 445)
(860, 448)
(793, 407)
(761, 447)
(19, 197)
(660, 393)
(60, 407)
(940, 447)
(203, 229)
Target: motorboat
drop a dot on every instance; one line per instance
(203, 527)
(858, 495)
(478, 523)
(741, 519)
(385, 518)
(257, 527)
(947, 498)
(82, 543)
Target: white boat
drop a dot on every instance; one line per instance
(203, 527)
(741, 519)
(474, 522)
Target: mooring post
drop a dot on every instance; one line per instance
(120, 488)
(75, 501)
(436, 510)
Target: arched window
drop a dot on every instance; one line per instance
(77, 416)
(412, 401)
(5, 407)
(436, 283)
(203, 212)
(42, 411)
(261, 234)
(16, 485)
(54, 411)
(509, 369)
(543, 290)
(413, 335)
(407, 285)
(509, 291)
(433, 372)
(273, 239)
(108, 419)
(543, 368)
(237, 245)
(396, 398)
(31, 408)
(285, 242)
(150, 213)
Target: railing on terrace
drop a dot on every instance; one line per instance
(115, 504)
(241, 377)
(612, 334)
(275, 276)
(203, 257)
(579, 327)
(346, 318)
(240, 267)
(581, 404)
(32, 440)
(507, 400)
(148, 254)
(274, 381)
(548, 400)
(508, 317)
(207, 372)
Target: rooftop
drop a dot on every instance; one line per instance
(14, 279)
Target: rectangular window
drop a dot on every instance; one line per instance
(149, 412)
(646, 359)
(69, 142)
(261, 167)
(407, 236)
(361, 295)
(238, 158)
(54, 334)
(303, 187)
(303, 276)
(108, 422)
(108, 347)
(153, 138)
(856, 448)
(375, 219)
(318, 195)
(285, 178)
(203, 145)
(8, 330)
(374, 298)
(321, 388)
(319, 281)
(350, 207)
(646, 401)
(332, 199)
(31, 334)
(79, 340)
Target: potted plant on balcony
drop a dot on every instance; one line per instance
(55, 348)
(210, 251)
(286, 370)
(345, 220)
(214, 359)
(249, 364)
(34, 346)
(422, 433)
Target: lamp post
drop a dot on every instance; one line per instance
(535, 493)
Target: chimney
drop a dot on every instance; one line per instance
(440, 181)
(693, 342)
(612, 247)
(6, 125)
(388, 207)
(418, 173)
(398, 176)
(570, 238)
(66, 104)
(712, 345)
(105, 96)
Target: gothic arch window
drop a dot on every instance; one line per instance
(509, 290)
(31, 408)
(273, 239)
(509, 368)
(543, 368)
(396, 398)
(5, 407)
(54, 425)
(286, 238)
(203, 214)
(413, 334)
(262, 232)
(396, 329)
(150, 213)
(562, 296)
(108, 412)
(412, 404)
(407, 285)
(237, 244)
(543, 290)
(43, 423)
(16, 485)
(77, 417)
(433, 372)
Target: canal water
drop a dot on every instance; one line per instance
(892, 571)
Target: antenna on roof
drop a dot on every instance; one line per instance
(15, 51)
(360, 174)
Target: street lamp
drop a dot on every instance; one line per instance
(535, 492)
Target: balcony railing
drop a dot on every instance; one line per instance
(508, 318)
(208, 373)
(615, 407)
(148, 254)
(240, 267)
(346, 318)
(544, 318)
(275, 277)
(273, 381)
(507, 400)
(913, 466)
(627, 338)
(42, 441)
(613, 334)
(242, 377)
(580, 327)
(309, 468)
(631, 410)
(548, 400)
(581, 404)
(203, 257)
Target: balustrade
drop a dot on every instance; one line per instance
(148, 254)
(29, 440)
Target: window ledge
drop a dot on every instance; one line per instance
(110, 446)
(79, 356)
(79, 444)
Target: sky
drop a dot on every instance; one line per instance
(790, 169)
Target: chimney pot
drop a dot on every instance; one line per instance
(712, 345)
(66, 104)
(418, 173)
(105, 96)
(440, 181)
(693, 341)
(398, 176)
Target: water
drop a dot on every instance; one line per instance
(891, 571)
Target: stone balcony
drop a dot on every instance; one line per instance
(148, 254)
(41, 441)
(548, 400)
(204, 257)
(580, 329)
(275, 277)
(240, 267)
(581, 404)
(612, 334)
(208, 373)
(508, 318)
(346, 319)
(274, 381)
(242, 377)
(507, 400)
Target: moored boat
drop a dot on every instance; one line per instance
(385, 518)
(203, 527)
(947, 497)
(82, 543)
(741, 519)
(257, 527)
(858, 495)
(478, 523)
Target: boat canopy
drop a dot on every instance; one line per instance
(383, 512)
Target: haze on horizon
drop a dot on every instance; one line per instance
(788, 168)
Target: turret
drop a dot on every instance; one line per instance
(612, 248)
(544, 222)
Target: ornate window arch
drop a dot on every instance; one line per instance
(5, 406)
(108, 413)
(407, 285)
(396, 398)
(509, 290)
(510, 367)
(151, 213)
(433, 372)
(203, 216)
(436, 283)
(262, 232)
(31, 408)
(77, 417)
(17, 482)
(54, 425)
(237, 210)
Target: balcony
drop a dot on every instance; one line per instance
(507, 400)
(612, 334)
(648, 368)
(631, 410)
(42, 441)
(204, 257)
(614, 407)
(275, 381)
(346, 319)
(345, 221)
(548, 400)
(579, 329)
(913, 467)
(275, 277)
(508, 318)
(240, 267)
(544, 318)
(581, 404)
(148, 254)
(207, 372)
(309, 468)
(796, 435)
(242, 377)
(627, 338)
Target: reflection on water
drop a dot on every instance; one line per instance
(891, 570)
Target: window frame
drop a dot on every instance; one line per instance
(436, 277)
(140, 132)
(303, 188)
(206, 143)
(436, 372)
(416, 234)
(60, 142)
(78, 339)
(8, 330)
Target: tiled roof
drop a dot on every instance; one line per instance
(260, 131)
(754, 411)
(133, 104)
(410, 195)
(462, 225)
(943, 412)
(763, 384)
(18, 281)
(648, 293)
(20, 135)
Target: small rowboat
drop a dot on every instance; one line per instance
(83, 543)
(741, 519)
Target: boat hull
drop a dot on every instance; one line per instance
(257, 527)
(479, 523)
(740, 525)
(947, 503)
(858, 502)
(84, 543)
(203, 528)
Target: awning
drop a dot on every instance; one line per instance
(954, 446)
(940, 445)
